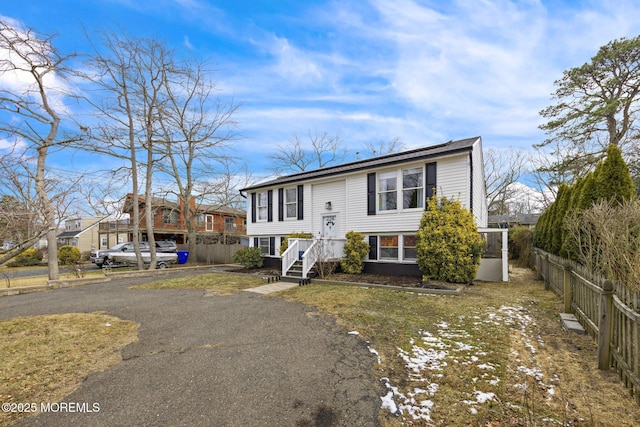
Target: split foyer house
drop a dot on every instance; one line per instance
(382, 197)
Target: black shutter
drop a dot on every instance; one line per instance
(272, 245)
(253, 207)
(270, 206)
(431, 181)
(371, 193)
(255, 242)
(280, 204)
(300, 202)
(373, 247)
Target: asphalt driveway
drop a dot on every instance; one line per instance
(240, 360)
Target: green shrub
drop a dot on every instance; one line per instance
(448, 244)
(249, 257)
(296, 235)
(69, 255)
(27, 258)
(355, 251)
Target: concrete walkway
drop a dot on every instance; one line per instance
(272, 287)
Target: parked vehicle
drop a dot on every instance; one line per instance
(129, 258)
(101, 256)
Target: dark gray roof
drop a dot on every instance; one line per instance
(66, 234)
(450, 147)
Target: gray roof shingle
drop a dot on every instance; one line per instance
(450, 147)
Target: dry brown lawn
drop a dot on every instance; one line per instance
(495, 355)
(44, 358)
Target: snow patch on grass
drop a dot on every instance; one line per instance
(431, 355)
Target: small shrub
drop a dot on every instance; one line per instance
(448, 244)
(355, 251)
(69, 255)
(296, 235)
(27, 258)
(249, 257)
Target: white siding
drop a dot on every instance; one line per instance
(454, 177)
(321, 193)
(280, 228)
(348, 196)
(382, 222)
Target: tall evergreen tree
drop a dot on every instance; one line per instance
(614, 181)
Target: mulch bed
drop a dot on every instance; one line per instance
(376, 279)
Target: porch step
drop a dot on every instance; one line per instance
(570, 323)
(296, 270)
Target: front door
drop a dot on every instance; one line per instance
(330, 226)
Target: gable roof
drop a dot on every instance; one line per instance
(450, 147)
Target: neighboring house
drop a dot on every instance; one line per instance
(506, 221)
(81, 233)
(213, 224)
(383, 197)
(113, 231)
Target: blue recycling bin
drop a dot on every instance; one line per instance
(182, 257)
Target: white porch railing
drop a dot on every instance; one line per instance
(292, 254)
(312, 250)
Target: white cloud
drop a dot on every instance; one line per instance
(15, 76)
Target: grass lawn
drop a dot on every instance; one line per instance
(44, 358)
(495, 355)
(216, 283)
(7, 277)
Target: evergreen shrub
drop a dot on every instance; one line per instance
(355, 251)
(249, 257)
(448, 244)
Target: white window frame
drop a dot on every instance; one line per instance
(262, 209)
(263, 247)
(405, 246)
(397, 247)
(419, 189)
(288, 203)
(385, 194)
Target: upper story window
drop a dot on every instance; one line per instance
(170, 216)
(412, 194)
(412, 188)
(291, 202)
(262, 206)
(387, 191)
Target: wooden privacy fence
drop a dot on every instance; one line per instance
(609, 311)
(216, 253)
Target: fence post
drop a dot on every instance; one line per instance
(546, 275)
(567, 289)
(604, 326)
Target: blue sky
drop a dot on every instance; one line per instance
(422, 71)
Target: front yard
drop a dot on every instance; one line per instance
(495, 355)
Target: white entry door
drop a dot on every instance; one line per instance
(330, 226)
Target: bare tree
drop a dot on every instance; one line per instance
(502, 168)
(381, 148)
(196, 127)
(130, 100)
(34, 111)
(295, 155)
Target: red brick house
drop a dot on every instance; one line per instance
(213, 223)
